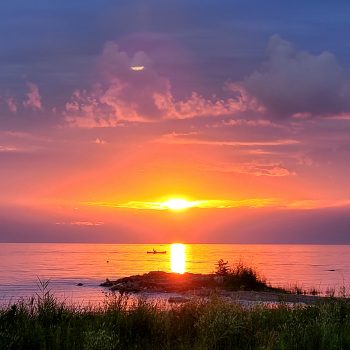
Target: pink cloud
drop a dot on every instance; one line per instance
(142, 95)
(99, 141)
(9, 149)
(11, 104)
(198, 106)
(81, 223)
(33, 100)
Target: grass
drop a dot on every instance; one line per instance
(43, 322)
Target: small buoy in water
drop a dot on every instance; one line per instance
(79, 284)
(108, 261)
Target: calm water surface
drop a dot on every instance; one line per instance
(65, 265)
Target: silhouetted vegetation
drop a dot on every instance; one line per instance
(43, 322)
(240, 277)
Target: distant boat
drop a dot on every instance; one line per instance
(156, 252)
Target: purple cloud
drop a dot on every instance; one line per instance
(298, 83)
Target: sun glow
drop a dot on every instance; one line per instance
(177, 204)
(180, 204)
(178, 258)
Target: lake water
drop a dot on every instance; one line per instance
(66, 265)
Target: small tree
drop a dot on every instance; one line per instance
(222, 268)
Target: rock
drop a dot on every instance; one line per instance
(127, 287)
(108, 283)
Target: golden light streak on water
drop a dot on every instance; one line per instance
(178, 258)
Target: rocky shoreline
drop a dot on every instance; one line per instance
(189, 285)
(159, 281)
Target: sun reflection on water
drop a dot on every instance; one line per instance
(178, 258)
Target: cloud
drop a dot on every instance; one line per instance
(298, 83)
(291, 83)
(9, 149)
(33, 98)
(123, 94)
(187, 139)
(81, 223)
(198, 106)
(247, 122)
(254, 168)
(11, 104)
(142, 95)
(99, 141)
(129, 89)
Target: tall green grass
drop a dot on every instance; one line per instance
(43, 322)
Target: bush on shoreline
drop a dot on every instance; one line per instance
(240, 277)
(45, 323)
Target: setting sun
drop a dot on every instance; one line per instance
(177, 204)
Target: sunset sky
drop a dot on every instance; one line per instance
(115, 113)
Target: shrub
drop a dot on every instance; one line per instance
(240, 276)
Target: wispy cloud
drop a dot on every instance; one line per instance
(174, 138)
(254, 168)
(9, 149)
(257, 123)
(81, 223)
